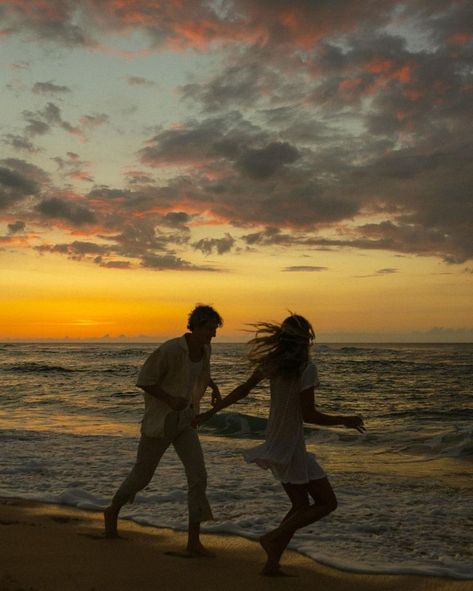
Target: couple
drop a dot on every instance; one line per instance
(174, 379)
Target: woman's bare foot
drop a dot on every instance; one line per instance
(110, 517)
(271, 547)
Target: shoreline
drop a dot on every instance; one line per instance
(47, 547)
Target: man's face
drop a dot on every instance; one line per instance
(206, 332)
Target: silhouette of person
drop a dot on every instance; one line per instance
(281, 354)
(174, 379)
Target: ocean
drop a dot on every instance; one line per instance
(69, 426)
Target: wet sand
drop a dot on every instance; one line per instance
(49, 547)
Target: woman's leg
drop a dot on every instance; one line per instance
(299, 496)
(325, 502)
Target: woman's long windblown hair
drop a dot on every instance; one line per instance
(282, 349)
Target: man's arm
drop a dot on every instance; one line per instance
(310, 414)
(175, 402)
(237, 394)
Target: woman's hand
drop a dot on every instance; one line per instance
(215, 396)
(199, 419)
(354, 422)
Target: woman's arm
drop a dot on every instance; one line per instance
(311, 415)
(237, 394)
(215, 396)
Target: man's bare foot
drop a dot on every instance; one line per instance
(110, 517)
(199, 550)
(269, 571)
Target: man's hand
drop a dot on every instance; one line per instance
(354, 422)
(176, 402)
(215, 396)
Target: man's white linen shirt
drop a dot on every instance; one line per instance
(170, 367)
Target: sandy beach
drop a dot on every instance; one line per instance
(50, 547)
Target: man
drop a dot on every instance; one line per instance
(174, 379)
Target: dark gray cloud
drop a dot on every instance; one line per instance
(41, 122)
(387, 271)
(18, 180)
(76, 250)
(322, 117)
(16, 227)
(305, 269)
(90, 122)
(219, 245)
(49, 88)
(177, 219)
(170, 262)
(237, 86)
(44, 120)
(264, 162)
(139, 81)
(73, 167)
(72, 212)
(18, 142)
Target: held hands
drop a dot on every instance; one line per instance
(354, 422)
(199, 419)
(215, 396)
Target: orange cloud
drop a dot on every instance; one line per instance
(460, 38)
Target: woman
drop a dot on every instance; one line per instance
(281, 354)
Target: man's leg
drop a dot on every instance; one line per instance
(189, 450)
(150, 451)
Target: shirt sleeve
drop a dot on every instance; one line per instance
(309, 377)
(154, 369)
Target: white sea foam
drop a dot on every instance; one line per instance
(68, 435)
(389, 523)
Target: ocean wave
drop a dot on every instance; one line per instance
(233, 424)
(32, 367)
(456, 444)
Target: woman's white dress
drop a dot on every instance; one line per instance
(284, 451)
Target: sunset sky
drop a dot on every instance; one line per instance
(257, 155)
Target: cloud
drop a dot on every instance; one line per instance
(238, 85)
(49, 88)
(44, 120)
(18, 180)
(326, 125)
(191, 23)
(387, 271)
(170, 262)
(73, 167)
(41, 122)
(57, 208)
(305, 269)
(220, 245)
(16, 227)
(264, 162)
(18, 142)
(139, 81)
(90, 122)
